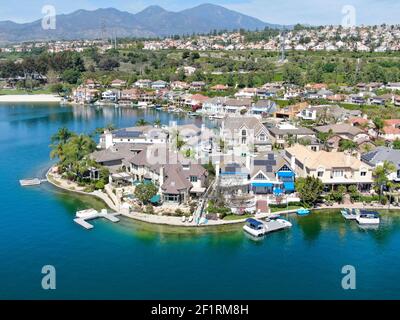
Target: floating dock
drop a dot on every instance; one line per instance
(31, 182)
(275, 225)
(86, 215)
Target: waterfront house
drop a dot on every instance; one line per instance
(84, 95)
(111, 95)
(159, 85)
(213, 106)
(378, 156)
(143, 83)
(333, 168)
(130, 94)
(118, 83)
(143, 135)
(271, 174)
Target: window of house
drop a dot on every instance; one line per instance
(338, 173)
(244, 133)
(262, 137)
(244, 140)
(320, 174)
(398, 173)
(260, 176)
(193, 179)
(363, 173)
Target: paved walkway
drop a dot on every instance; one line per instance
(177, 221)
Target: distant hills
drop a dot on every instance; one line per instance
(154, 21)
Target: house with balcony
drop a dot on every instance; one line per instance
(332, 168)
(272, 175)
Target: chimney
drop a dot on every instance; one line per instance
(109, 139)
(248, 161)
(293, 162)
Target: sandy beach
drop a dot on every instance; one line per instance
(30, 98)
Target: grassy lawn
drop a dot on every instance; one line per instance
(235, 217)
(273, 210)
(21, 91)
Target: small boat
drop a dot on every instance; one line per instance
(303, 212)
(254, 227)
(193, 114)
(368, 218)
(349, 214)
(87, 214)
(30, 182)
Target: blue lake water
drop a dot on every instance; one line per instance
(132, 260)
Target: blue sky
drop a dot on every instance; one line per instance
(314, 12)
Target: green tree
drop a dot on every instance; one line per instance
(396, 144)
(145, 191)
(347, 145)
(310, 189)
(379, 124)
(141, 123)
(381, 174)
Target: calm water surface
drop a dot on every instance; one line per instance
(132, 260)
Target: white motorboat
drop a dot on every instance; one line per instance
(368, 218)
(254, 227)
(30, 182)
(87, 214)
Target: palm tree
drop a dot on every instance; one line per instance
(379, 124)
(141, 123)
(381, 174)
(62, 136)
(157, 123)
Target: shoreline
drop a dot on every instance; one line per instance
(177, 221)
(30, 98)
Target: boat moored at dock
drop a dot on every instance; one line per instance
(303, 212)
(30, 182)
(254, 227)
(368, 218)
(258, 228)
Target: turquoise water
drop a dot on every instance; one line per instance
(131, 260)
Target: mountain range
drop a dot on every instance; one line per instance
(154, 21)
